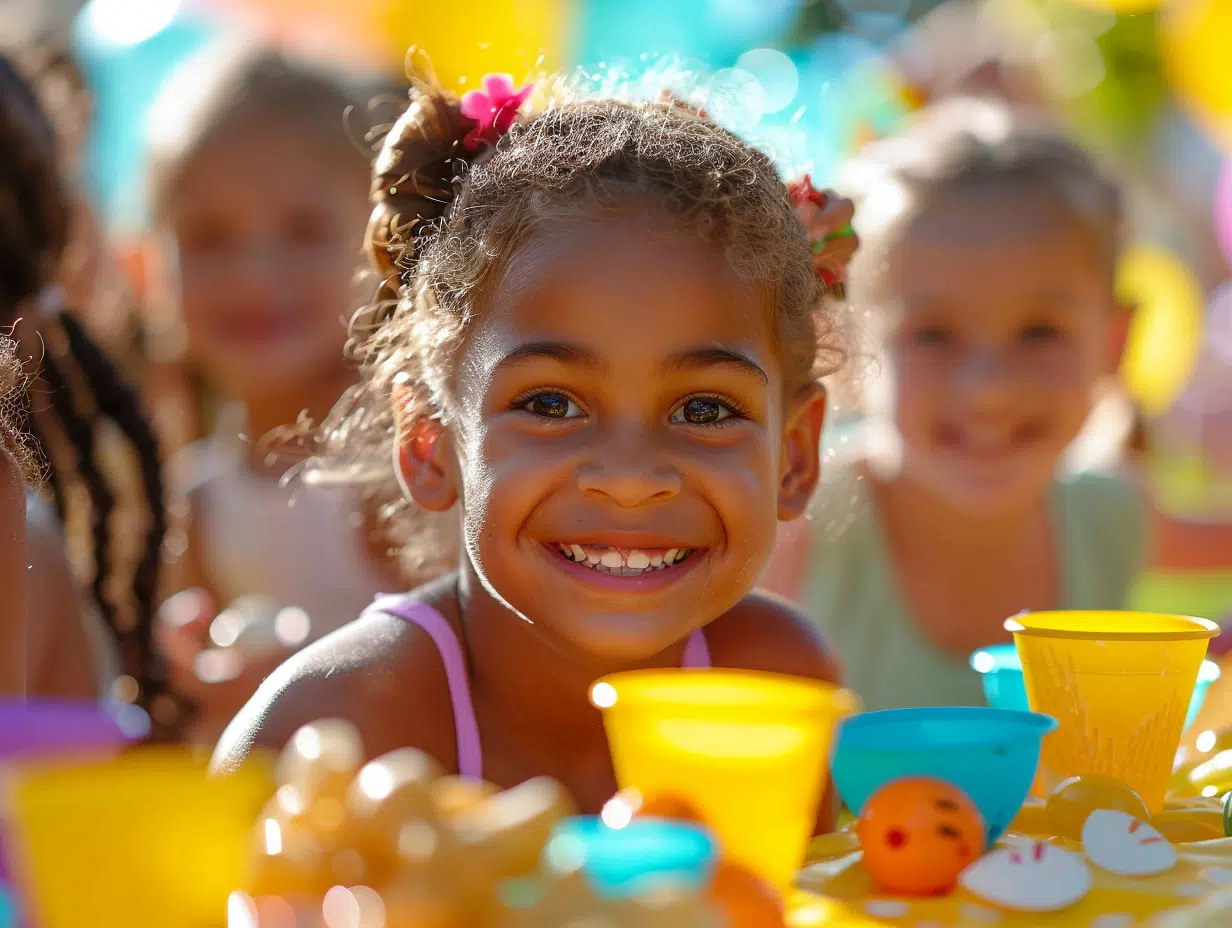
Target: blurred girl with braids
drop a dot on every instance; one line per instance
(73, 393)
(599, 364)
(259, 201)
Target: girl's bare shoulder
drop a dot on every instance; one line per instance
(379, 672)
(766, 632)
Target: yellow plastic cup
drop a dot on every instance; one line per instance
(1118, 684)
(749, 750)
(146, 840)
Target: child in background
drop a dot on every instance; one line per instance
(602, 367)
(988, 260)
(74, 396)
(259, 202)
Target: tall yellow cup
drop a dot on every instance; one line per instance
(749, 750)
(142, 841)
(1118, 684)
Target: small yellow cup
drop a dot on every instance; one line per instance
(142, 841)
(1118, 684)
(749, 750)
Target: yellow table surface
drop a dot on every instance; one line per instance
(841, 894)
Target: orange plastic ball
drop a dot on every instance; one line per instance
(918, 835)
(746, 899)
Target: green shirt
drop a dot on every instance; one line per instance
(1204, 593)
(853, 595)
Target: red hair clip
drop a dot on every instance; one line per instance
(802, 191)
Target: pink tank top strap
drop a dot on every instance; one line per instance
(470, 752)
(696, 651)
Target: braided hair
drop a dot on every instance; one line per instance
(83, 387)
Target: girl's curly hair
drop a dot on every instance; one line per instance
(12, 385)
(445, 222)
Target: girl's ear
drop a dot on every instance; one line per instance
(422, 457)
(801, 467)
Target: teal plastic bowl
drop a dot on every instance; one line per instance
(1004, 688)
(989, 754)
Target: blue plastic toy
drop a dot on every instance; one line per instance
(990, 754)
(1004, 687)
(620, 862)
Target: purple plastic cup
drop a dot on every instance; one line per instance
(39, 731)
(50, 730)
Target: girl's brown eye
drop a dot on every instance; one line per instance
(1041, 333)
(552, 406)
(931, 337)
(701, 411)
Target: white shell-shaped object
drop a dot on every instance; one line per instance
(1119, 843)
(1039, 877)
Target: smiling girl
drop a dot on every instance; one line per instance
(602, 363)
(991, 245)
(258, 206)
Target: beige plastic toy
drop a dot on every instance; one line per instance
(433, 851)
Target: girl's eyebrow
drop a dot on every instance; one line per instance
(689, 359)
(564, 352)
(717, 356)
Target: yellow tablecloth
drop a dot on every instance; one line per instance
(852, 900)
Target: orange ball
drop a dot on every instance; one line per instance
(670, 807)
(746, 899)
(918, 835)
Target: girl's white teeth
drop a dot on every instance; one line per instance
(623, 562)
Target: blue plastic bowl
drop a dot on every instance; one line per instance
(989, 754)
(1004, 687)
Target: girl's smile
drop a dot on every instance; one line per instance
(990, 445)
(631, 570)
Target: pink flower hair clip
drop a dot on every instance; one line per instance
(494, 109)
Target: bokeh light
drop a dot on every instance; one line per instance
(1166, 328)
(1194, 37)
(603, 695)
(775, 73)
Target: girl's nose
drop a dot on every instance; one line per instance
(985, 378)
(627, 481)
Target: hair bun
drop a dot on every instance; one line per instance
(413, 175)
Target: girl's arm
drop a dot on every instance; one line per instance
(63, 661)
(365, 673)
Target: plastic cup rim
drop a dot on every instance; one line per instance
(1027, 725)
(1201, 629)
(801, 695)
